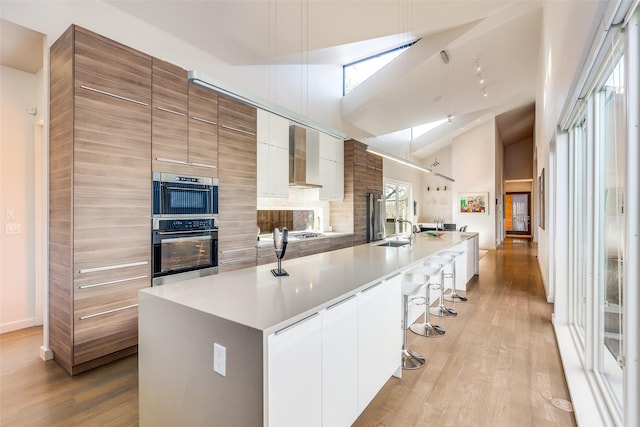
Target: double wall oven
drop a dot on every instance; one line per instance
(185, 227)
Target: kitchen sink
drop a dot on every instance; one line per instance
(394, 243)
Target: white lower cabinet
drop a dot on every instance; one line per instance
(340, 363)
(379, 337)
(294, 374)
(325, 369)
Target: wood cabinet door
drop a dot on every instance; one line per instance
(203, 129)
(169, 115)
(110, 68)
(237, 185)
(111, 214)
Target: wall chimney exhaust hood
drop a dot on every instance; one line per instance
(303, 158)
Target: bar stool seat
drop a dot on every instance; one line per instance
(412, 281)
(441, 310)
(427, 329)
(453, 296)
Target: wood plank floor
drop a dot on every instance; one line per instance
(497, 365)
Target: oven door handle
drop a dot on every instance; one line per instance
(204, 190)
(164, 233)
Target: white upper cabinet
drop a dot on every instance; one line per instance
(272, 155)
(331, 163)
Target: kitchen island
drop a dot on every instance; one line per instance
(312, 348)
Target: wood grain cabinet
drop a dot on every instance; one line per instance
(100, 197)
(362, 175)
(185, 123)
(237, 185)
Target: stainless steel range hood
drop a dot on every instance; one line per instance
(303, 158)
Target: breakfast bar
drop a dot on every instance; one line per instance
(245, 348)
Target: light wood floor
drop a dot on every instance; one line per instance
(497, 365)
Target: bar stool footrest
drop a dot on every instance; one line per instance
(442, 311)
(427, 330)
(412, 359)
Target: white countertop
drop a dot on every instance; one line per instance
(254, 297)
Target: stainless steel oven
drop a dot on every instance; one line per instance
(184, 196)
(184, 248)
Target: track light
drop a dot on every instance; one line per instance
(484, 92)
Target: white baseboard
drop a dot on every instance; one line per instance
(18, 324)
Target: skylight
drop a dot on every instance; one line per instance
(355, 73)
(417, 131)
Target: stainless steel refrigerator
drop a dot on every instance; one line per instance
(375, 217)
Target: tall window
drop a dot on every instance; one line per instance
(397, 198)
(610, 191)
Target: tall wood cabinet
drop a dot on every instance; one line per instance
(237, 218)
(100, 190)
(362, 175)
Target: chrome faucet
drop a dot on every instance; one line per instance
(398, 221)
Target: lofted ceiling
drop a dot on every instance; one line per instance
(418, 87)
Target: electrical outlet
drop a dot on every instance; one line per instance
(219, 359)
(12, 228)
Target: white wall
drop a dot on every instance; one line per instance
(436, 201)
(18, 92)
(474, 168)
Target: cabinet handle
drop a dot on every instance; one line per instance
(112, 267)
(203, 165)
(237, 261)
(209, 122)
(114, 95)
(102, 313)
(239, 130)
(391, 277)
(293, 325)
(180, 162)
(228, 251)
(112, 282)
(371, 287)
(332, 306)
(166, 110)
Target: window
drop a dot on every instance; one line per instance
(397, 201)
(355, 73)
(610, 226)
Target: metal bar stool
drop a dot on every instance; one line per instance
(427, 329)
(412, 281)
(441, 310)
(453, 296)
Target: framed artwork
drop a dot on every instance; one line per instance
(473, 203)
(541, 194)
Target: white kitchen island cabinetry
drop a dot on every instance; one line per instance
(378, 354)
(289, 343)
(295, 380)
(340, 363)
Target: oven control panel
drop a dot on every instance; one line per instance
(186, 224)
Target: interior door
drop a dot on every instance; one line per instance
(518, 213)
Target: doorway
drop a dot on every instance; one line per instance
(518, 213)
